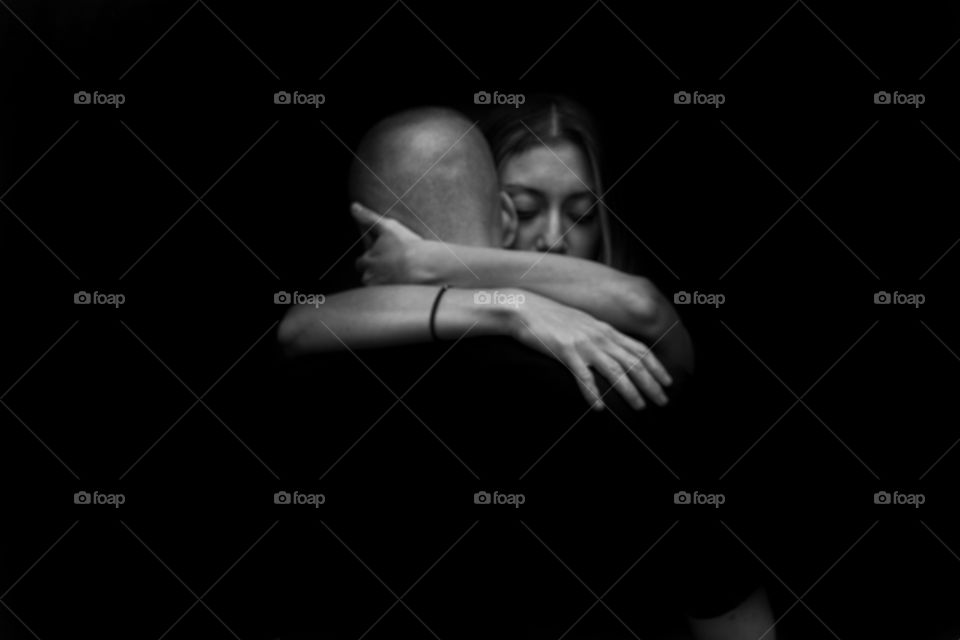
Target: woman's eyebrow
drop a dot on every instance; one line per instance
(584, 194)
(523, 188)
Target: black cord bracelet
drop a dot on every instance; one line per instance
(433, 312)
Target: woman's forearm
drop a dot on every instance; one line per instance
(605, 293)
(386, 316)
(630, 303)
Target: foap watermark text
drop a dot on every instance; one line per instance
(99, 99)
(499, 297)
(97, 498)
(696, 97)
(297, 498)
(699, 297)
(297, 297)
(512, 499)
(98, 297)
(899, 298)
(697, 498)
(297, 98)
(497, 98)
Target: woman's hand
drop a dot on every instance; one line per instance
(396, 254)
(582, 342)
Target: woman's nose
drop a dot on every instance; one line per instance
(552, 238)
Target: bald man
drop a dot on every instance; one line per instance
(442, 166)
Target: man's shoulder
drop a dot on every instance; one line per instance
(469, 354)
(445, 372)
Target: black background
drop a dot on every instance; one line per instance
(95, 198)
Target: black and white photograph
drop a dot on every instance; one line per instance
(518, 320)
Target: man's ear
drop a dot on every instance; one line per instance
(508, 221)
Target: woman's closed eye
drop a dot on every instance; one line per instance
(582, 209)
(527, 206)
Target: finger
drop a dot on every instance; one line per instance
(649, 358)
(642, 377)
(368, 219)
(619, 379)
(586, 382)
(401, 229)
(391, 227)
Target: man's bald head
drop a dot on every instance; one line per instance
(455, 194)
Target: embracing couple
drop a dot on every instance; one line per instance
(500, 230)
(510, 217)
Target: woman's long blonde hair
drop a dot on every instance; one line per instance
(547, 119)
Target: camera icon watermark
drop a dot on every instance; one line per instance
(712, 99)
(296, 498)
(899, 298)
(499, 298)
(513, 499)
(911, 99)
(696, 498)
(96, 98)
(97, 297)
(296, 98)
(285, 297)
(697, 297)
(897, 498)
(497, 98)
(96, 498)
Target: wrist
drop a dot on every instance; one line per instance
(499, 319)
(507, 312)
(425, 262)
(461, 311)
(489, 313)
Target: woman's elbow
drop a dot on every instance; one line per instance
(290, 332)
(657, 321)
(645, 306)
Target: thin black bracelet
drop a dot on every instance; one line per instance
(433, 313)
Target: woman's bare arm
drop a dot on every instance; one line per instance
(632, 304)
(623, 300)
(384, 316)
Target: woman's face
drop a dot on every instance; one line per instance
(552, 189)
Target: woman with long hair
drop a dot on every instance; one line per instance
(529, 143)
